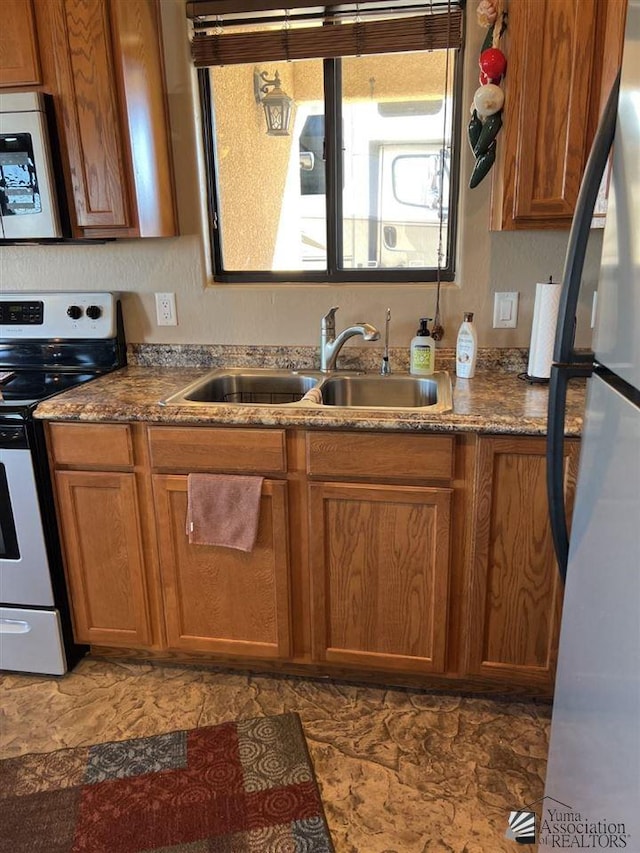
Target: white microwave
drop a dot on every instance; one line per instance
(28, 202)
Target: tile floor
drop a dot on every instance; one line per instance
(401, 771)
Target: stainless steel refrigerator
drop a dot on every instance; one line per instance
(592, 792)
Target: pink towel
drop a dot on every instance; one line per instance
(223, 510)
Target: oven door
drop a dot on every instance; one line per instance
(24, 567)
(31, 641)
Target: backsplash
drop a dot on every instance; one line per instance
(504, 360)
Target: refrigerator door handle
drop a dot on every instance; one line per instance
(558, 381)
(567, 363)
(579, 235)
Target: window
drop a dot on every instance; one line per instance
(363, 184)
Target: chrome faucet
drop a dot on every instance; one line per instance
(330, 345)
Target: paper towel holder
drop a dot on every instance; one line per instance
(535, 380)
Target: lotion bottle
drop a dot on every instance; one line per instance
(423, 351)
(466, 348)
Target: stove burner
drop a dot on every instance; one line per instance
(35, 385)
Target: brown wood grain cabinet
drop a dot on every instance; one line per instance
(380, 575)
(103, 500)
(221, 599)
(381, 555)
(516, 594)
(19, 56)
(105, 565)
(233, 450)
(563, 56)
(102, 61)
(379, 548)
(379, 457)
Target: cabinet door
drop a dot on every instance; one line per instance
(103, 60)
(550, 95)
(220, 599)
(380, 575)
(100, 526)
(19, 63)
(516, 594)
(79, 46)
(137, 45)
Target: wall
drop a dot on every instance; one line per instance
(289, 314)
(251, 166)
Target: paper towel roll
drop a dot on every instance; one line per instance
(543, 329)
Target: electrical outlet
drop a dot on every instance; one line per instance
(166, 309)
(505, 310)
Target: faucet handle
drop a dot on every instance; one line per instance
(328, 323)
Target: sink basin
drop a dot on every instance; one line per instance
(389, 392)
(246, 386)
(264, 387)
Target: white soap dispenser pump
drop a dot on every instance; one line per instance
(422, 355)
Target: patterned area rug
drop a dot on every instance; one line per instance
(231, 788)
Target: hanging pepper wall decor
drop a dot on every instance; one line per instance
(486, 110)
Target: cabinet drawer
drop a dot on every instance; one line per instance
(375, 456)
(213, 449)
(91, 445)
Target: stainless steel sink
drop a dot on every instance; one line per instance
(389, 392)
(264, 387)
(247, 386)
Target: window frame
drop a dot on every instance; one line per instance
(333, 173)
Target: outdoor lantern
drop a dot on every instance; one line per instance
(276, 103)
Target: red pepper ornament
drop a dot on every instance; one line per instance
(488, 100)
(493, 63)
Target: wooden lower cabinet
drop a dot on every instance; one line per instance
(100, 524)
(516, 595)
(444, 570)
(222, 600)
(379, 561)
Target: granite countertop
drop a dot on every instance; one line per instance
(494, 401)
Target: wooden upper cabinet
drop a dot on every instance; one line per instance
(19, 62)
(140, 71)
(563, 56)
(103, 61)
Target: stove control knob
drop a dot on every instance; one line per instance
(93, 312)
(74, 311)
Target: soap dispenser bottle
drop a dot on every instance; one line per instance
(422, 355)
(466, 348)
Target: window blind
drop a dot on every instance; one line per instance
(276, 34)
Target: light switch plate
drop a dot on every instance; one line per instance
(505, 310)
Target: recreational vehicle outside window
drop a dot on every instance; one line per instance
(363, 187)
